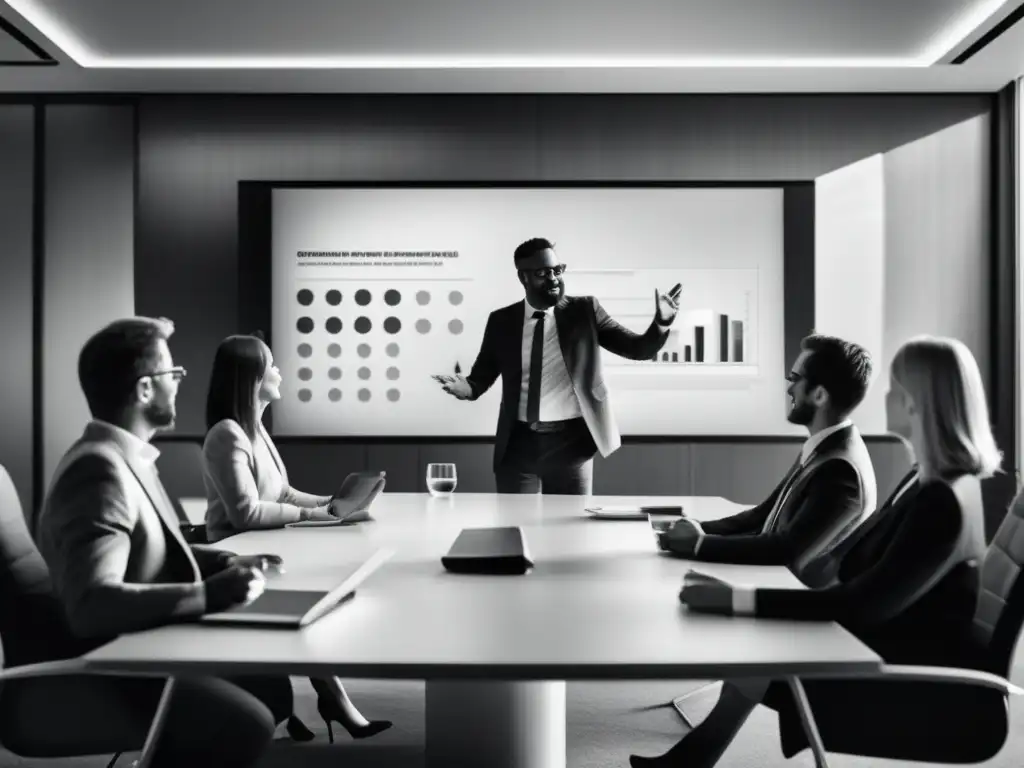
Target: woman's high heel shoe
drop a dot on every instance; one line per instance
(297, 730)
(331, 711)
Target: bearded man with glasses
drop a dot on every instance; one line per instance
(555, 408)
(118, 564)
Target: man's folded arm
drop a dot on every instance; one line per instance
(89, 526)
(832, 497)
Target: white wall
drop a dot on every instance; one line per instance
(938, 239)
(903, 247)
(849, 268)
(89, 261)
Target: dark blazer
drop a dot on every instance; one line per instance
(836, 562)
(910, 583)
(583, 327)
(908, 588)
(112, 543)
(830, 494)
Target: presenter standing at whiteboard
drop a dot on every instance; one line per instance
(555, 410)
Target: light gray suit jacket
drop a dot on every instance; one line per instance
(112, 543)
(247, 484)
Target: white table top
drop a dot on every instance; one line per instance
(601, 603)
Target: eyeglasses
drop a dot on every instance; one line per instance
(540, 274)
(177, 373)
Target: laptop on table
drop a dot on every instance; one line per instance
(297, 608)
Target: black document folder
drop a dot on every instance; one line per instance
(489, 551)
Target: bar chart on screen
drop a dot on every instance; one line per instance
(713, 342)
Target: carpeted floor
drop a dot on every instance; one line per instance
(606, 722)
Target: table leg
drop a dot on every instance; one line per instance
(495, 723)
(146, 756)
(803, 708)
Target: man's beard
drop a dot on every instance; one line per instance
(160, 416)
(543, 299)
(801, 413)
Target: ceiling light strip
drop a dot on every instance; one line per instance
(46, 22)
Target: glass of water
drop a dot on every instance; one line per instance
(441, 479)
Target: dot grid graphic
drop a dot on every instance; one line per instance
(373, 324)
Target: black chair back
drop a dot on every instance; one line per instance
(1000, 612)
(32, 622)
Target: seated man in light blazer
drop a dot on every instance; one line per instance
(827, 493)
(110, 538)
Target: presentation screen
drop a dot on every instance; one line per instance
(377, 288)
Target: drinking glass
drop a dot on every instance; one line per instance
(441, 479)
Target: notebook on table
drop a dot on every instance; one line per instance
(633, 511)
(489, 551)
(299, 607)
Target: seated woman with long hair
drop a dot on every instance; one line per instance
(908, 578)
(247, 487)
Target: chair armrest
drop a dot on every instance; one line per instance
(75, 666)
(44, 669)
(909, 672)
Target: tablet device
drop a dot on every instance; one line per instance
(489, 551)
(633, 512)
(320, 523)
(296, 608)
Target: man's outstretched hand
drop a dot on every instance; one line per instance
(667, 305)
(456, 385)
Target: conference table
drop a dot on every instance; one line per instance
(600, 603)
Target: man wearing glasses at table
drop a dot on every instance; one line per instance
(556, 411)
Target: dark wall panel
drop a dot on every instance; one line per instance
(17, 125)
(194, 151)
(798, 268)
(89, 258)
(742, 472)
(644, 469)
(733, 137)
(319, 467)
(401, 462)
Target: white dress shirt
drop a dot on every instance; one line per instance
(817, 439)
(557, 395)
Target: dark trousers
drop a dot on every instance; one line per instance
(211, 722)
(553, 462)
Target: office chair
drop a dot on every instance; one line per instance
(34, 634)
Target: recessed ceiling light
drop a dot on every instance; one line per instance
(45, 21)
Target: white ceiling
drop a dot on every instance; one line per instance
(526, 45)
